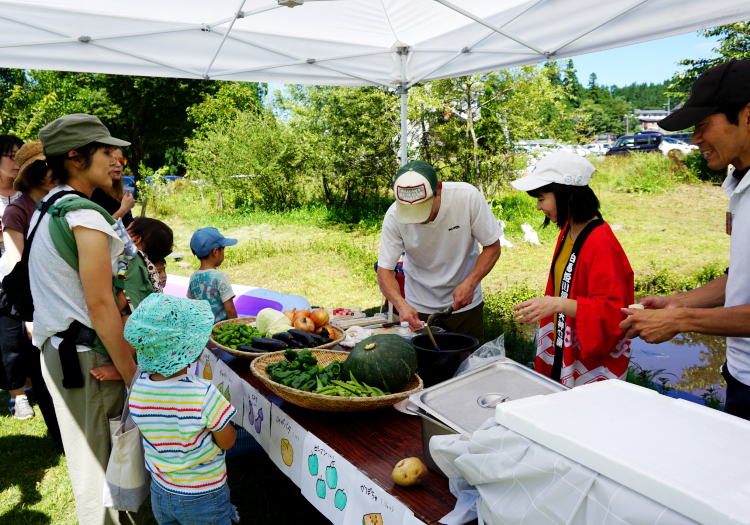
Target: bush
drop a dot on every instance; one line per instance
(640, 173)
(663, 281)
(520, 340)
(698, 166)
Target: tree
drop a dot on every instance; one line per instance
(153, 115)
(734, 43)
(351, 137)
(572, 85)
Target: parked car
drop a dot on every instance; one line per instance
(595, 149)
(687, 138)
(645, 142)
(668, 144)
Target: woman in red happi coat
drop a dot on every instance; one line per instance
(590, 279)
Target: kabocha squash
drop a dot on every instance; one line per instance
(385, 361)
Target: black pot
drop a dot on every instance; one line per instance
(435, 367)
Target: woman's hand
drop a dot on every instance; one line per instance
(127, 203)
(534, 310)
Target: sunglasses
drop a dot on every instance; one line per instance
(122, 160)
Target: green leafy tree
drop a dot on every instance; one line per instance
(153, 115)
(734, 42)
(351, 135)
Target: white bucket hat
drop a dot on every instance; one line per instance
(561, 167)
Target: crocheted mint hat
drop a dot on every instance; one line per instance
(169, 333)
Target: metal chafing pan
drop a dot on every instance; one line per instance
(463, 403)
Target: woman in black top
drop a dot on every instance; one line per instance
(114, 199)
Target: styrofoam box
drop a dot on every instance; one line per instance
(688, 457)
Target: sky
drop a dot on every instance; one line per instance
(651, 62)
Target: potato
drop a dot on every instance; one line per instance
(408, 472)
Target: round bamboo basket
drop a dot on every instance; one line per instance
(337, 337)
(327, 403)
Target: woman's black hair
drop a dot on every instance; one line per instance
(574, 203)
(157, 238)
(33, 176)
(57, 162)
(7, 142)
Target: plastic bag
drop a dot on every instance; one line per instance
(484, 355)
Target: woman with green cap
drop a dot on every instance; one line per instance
(76, 322)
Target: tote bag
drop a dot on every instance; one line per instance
(128, 482)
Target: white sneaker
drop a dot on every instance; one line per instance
(23, 408)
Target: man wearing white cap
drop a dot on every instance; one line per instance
(590, 280)
(438, 226)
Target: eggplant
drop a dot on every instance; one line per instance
(320, 340)
(324, 333)
(303, 337)
(288, 339)
(268, 344)
(246, 348)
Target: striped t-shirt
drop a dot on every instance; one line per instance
(176, 417)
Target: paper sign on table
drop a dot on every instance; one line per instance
(368, 504)
(257, 416)
(228, 383)
(326, 479)
(287, 445)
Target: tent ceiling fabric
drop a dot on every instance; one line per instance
(332, 42)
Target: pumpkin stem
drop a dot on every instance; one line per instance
(371, 346)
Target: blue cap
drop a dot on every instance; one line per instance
(206, 239)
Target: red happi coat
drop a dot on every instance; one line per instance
(595, 348)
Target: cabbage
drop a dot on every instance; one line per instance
(269, 316)
(282, 325)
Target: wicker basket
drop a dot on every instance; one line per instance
(327, 403)
(339, 336)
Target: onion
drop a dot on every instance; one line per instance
(304, 324)
(319, 317)
(290, 314)
(300, 313)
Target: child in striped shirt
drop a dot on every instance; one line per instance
(184, 419)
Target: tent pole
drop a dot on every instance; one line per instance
(404, 99)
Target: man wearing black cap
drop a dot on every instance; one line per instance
(719, 108)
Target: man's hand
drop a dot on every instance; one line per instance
(128, 202)
(407, 313)
(653, 326)
(653, 302)
(463, 295)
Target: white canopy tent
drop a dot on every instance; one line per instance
(394, 43)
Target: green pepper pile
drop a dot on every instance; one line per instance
(302, 372)
(235, 335)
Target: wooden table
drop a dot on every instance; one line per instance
(372, 441)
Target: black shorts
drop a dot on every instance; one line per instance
(14, 351)
(738, 396)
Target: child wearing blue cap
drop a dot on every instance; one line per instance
(184, 419)
(208, 283)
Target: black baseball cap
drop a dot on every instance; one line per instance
(727, 83)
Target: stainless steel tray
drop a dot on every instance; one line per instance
(465, 402)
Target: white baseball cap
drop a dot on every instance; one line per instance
(415, 186)
(561, 167)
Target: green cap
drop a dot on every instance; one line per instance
(416, 184)
(73, 131)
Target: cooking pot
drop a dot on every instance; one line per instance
(436, 366)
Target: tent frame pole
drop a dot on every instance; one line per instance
(495, 28)
(404, 90)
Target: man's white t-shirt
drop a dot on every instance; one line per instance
(55, 286)
(738, 282)
(440, 254)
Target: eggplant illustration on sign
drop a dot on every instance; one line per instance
(258, 420)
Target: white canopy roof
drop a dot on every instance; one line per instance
(333, 42)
